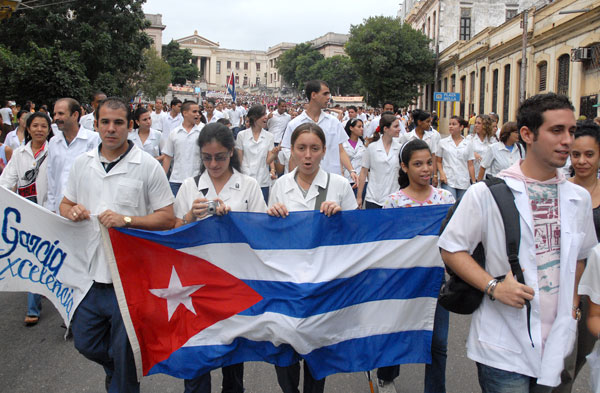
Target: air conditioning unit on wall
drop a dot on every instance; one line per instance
(580, 54)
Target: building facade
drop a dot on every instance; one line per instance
(253, 69)
(155, 31)
(562, 55)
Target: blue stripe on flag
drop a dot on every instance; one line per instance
(306, 299)
(303, 230)
(348, 356)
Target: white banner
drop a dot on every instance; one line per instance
(41, 252)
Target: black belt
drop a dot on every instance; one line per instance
(102, 285)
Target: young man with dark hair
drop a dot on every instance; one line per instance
(318, 96)
(278, 121)
(182, 148)
(171, 121)
(69, 141)
(517, 349)
(87, 121)
(125, 187)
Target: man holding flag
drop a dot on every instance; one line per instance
(125, 188)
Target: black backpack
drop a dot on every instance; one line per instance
(456, 295)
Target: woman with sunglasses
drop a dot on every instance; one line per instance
(25, 173)
(220, 181)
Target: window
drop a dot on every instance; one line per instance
(465, 24)
(245, 80)
(434, 30)
(542, 76)
(258, 80)
(511, 12)
(271, 76)
(228, 64)
(245, 65)
(482, 90)
(563, 74)
(237, 80)
(495, 91)
(218, 67)
(257, 67)
(237, 65)
(506, 93)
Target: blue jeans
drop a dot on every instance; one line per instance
(236, 131)
(493, 380)
(99, 335)
(34, 304)
(175, 188)
(457, 193)
(435, 373)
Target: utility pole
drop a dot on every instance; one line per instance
(523, 58)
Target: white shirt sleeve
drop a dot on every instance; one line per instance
(256, 201)
(488, 158)
(10, 177)
(168, 148)
(366, 163)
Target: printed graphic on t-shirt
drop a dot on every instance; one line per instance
(546, 224)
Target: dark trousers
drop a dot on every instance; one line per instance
(289, 380)
(371, 205)
(233, 381)
(99, 335)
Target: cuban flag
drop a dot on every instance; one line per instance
(347, 293)
(231, 86)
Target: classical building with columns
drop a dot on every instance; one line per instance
(253, 69)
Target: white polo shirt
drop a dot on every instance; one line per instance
(151, 145)
(277, 125)
(334, 136)
(431, 137)
(241, 193)
(287, 191)
(7, 115)
(254, 160)
(356, 155)
(60, 160)
(157, 120)
(455, 161)
(236, 116)
(383, 171)
(498, 336)
(169, 123)
(498, 157)
(136, 186)
(216, 116)
(182, 147)
(480, 147)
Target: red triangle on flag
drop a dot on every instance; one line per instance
(147, 272)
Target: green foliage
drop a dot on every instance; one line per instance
(392, 60)
(294, 64)
(182, 69)
(155, 79)
(339, 73)
(72, 49)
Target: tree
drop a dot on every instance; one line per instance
(72, 49)
(392, 60)
(339, 73)
(294, 64)
(155, 79)
(180, 61)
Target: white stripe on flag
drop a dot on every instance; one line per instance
(299, 266)
(308, 334)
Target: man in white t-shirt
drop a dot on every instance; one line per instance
(318, 96)
(517, 348)
(236, 117)
(125, 187)
(7, 115)
(172, 120)
(158, 115)
(278, 121)
(182, 147)
(361, 114)
(87, 121)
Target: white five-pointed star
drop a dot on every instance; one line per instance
(177, 294)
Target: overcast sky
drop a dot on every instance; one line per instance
(259, 24)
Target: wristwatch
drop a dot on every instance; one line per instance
(127, 220)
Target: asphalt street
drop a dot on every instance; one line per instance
(38, 359)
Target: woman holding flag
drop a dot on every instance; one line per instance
(415, 190)
(220, 182)
(308, 187)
